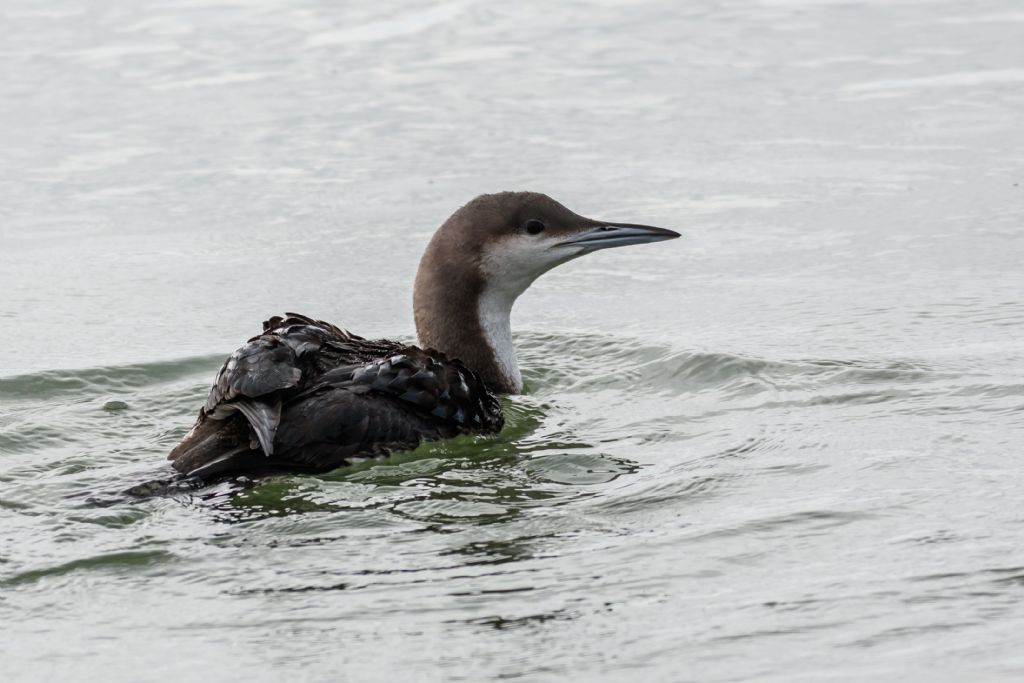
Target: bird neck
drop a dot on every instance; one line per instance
(494, 311)
(457, 314)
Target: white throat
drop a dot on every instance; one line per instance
(495, 311)
(510, 266)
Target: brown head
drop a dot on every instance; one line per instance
(484, 256)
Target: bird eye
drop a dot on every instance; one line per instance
(534, 227)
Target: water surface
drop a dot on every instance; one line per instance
(784, 448)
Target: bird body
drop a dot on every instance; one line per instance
(305, 395)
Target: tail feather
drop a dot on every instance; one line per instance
(209, 441)
(226, 462)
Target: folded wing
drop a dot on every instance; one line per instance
(307, 395)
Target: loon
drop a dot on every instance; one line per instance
(305, 395)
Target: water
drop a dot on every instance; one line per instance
(784, 448)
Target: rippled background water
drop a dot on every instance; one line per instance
(785, 448)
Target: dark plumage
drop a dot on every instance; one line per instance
(306, 395)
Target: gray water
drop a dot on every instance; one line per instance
(784, 448)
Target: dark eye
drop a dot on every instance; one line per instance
(534, 226)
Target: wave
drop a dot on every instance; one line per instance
(592, 361)
(54, 383)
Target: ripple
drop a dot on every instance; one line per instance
(579, 469)
(60, 383)
(814, 520)
(594, 362)
(659, 496)
(407, 24)
(110, 561)
(956, 79)
(442, 509)
(499, 623)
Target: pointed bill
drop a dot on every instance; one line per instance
(618, 235)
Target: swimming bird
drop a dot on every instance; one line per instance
(305, 395)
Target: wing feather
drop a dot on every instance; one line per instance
(313, 395)
(264, 418)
